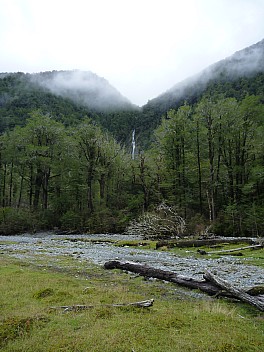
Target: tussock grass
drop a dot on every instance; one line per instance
(28, 324)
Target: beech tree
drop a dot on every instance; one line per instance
(174, 144)
(206, 161)
(102, 168)
(43, 147)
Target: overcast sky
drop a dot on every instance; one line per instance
(142, 47)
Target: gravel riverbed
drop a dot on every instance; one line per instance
(231, 268)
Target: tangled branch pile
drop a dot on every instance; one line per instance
(162, 223)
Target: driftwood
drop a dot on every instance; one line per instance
(207, 285)
(165, 275)
(236, 292)
(78, 307)
(203, 242)
(226, 251)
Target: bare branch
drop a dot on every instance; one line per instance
(163, 222)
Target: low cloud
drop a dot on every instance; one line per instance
(84, 88)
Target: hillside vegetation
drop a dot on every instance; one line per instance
(236, 76)
(65, 151)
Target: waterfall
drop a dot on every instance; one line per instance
(133, 144)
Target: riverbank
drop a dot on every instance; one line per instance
(176, 322)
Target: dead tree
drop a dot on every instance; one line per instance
(79, 307)
(234, 291)
(228, 251)
(204, 242)
(163, 222)
(210, 284)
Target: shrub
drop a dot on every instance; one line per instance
(14, 221)
(70, 220)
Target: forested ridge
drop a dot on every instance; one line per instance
(69, 166)
(236, 76)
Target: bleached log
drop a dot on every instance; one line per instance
(146, 271)
(77, 307)
(236, 292)
(211, 284)
(256, 246)
(204, 242)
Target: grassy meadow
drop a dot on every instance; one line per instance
(176, 322)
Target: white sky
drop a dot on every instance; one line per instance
(142, 47)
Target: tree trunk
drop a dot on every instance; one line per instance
(11, 185)
(78, 307)
(102, 186)
(31, 183)
(211, 284)
(199, 167)
(205, 242)
(20, 190)
(236, 292)
(45, 186)
(227, 251)
(165, 275)
(142, 176)
(38, 183)
(4, 187)
(211, 190)
(90, 177)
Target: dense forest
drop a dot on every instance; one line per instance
(67, 165)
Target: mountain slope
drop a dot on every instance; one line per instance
(83, 88)
(68, 96)
(238, 75)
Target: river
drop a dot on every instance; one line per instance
(84, 248)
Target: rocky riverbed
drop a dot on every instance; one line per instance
(98, 249)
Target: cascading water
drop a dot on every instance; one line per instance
(133, 144)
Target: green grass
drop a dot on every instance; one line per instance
(28, 324)
(142, 244)
(249, 256)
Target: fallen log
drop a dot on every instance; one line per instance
(203, 242)
(77, 307)
(165, 275)
(226, 251)
(206, 285)
(236, 292)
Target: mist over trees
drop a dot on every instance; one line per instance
(236, 76)
(83, 88)
(65, 164)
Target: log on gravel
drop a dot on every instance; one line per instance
(234, 291)
(149, 272)
(209, 284)
(203, 242)
(227, 251)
